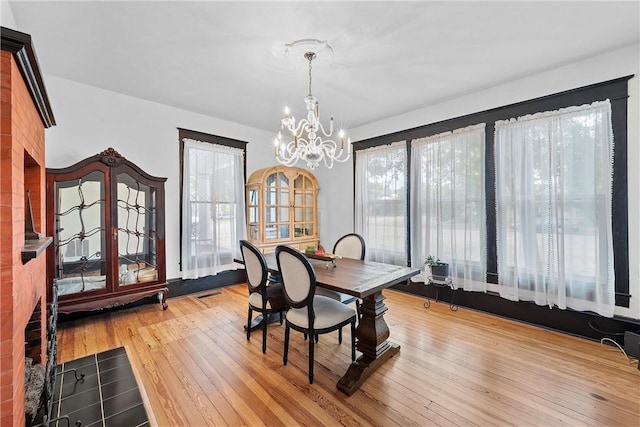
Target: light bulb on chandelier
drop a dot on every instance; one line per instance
(309, 141)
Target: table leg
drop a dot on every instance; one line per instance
(371, 334)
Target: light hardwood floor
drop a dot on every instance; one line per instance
(454, 368)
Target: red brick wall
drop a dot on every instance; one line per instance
(21, 285)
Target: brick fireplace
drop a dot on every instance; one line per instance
(25, 113)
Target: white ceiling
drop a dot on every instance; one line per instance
(226, 59)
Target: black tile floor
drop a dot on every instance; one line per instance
(107, 396)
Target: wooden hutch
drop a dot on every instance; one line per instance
(282, 208)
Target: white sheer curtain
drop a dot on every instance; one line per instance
(448, 204)
(213, 211)
(381, 202)
(553, 199)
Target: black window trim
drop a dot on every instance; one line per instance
(212, 139)
(616, 90)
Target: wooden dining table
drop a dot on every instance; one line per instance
(364, 280)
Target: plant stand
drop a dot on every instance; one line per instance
(441, 282)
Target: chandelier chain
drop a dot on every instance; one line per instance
(310, 59)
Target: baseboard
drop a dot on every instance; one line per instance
(583, 324)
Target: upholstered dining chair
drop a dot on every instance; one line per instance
(265, 295)
(348, 246)
(309, 313)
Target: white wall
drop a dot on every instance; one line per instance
(90, 120)
(6, 15)
(336, 194)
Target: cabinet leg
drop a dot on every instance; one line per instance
(162, 299)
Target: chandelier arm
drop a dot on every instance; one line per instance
(341, 160)
(328, 158)
(297, 128)
(286, 155)
(289, 148)
(326, 163)
(327, 134)
(343, 151)
(328, 145)
(340, 152)
(292, 147)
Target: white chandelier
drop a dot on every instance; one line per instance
(304, 140)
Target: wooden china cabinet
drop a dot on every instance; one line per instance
(106, 217)
(282, 208)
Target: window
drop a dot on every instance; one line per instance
(213, 218)
(554, 180)
(581, 214)
(448, 203)
(381, 202)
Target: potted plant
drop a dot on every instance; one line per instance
(438, 268)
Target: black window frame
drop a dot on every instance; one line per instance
(211, 139)
(615, 90)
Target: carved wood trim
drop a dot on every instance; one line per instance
(111, 157)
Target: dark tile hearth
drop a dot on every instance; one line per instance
(108, 395)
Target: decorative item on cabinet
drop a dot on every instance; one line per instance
(106, 216)
(282, 208)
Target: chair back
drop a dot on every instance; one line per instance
(255, 265)
(350, 246)
(298, 277)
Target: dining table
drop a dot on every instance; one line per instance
(364, 280)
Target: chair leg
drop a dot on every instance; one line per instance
(317, 338)
(353, 340)
(285, 355)
(340, 336)
(281, 317)
(249, 324)
(358, 309)
(265, 318)
(311, 360)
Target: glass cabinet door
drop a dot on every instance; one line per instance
(277, 206)
(304, 208)
(79, 234)
(135, 229)
(253, 217)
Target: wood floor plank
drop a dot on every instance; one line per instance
(244, 394)
(457, 368)
(174, 376)
(203, 392)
